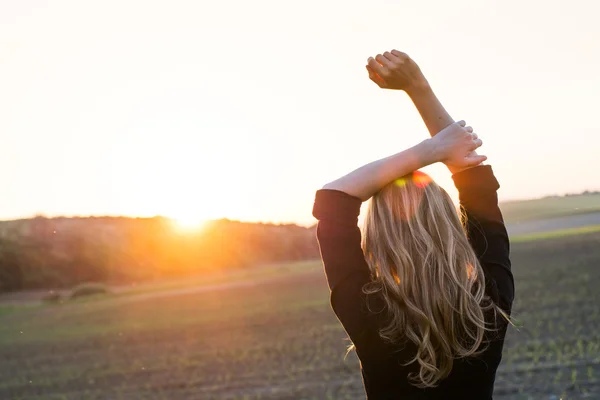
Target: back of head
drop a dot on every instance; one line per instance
(427, 273)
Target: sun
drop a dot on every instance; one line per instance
(189, 223)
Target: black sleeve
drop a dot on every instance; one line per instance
(345, 266)
(485, 228)
(338, 235)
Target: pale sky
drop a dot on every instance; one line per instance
(242, 109)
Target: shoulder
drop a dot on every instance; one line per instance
(337, 206)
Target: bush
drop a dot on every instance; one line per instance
(52, 297)
(88, 289)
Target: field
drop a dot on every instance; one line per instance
(275, 337)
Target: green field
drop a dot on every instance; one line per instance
(280, 340)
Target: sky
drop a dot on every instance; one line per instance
(238, 109)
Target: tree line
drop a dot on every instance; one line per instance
(62, 252)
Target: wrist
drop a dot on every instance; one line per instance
(428, 152)
(419, 88)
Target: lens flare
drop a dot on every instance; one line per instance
(420, 179)
(400, 182)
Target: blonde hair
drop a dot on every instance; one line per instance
(428, 275)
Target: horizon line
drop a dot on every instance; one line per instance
(270, 222)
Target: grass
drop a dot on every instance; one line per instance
(280, 340)
(6, 309)
(557, 349)
(263, 272)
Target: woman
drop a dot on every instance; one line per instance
(424, 298)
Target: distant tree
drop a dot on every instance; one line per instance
(63, 252)
(11, 276)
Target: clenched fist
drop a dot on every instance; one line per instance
(395, 70)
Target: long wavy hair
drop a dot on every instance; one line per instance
(428, 275)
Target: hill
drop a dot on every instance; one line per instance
(551, 206)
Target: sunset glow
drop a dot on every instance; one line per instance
(189, 223)
(141, 104)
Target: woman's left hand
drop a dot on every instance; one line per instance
(455, 145)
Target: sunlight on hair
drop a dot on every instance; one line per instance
(471, 272)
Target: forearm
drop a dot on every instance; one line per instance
(367, 180)
(432, 111)
(430, 108)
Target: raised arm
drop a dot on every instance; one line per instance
(452, 145)
(476, 186)
(396, 70)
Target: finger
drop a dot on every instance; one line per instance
(392, 58)
(383, 61)
(473, 161)
(376, 78)
(474, 135)
(378, 68)
(469, 129)
(402, 56)
(477, 143)
(371, 71)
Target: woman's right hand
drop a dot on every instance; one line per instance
(455, 146)
(396, 70)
